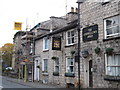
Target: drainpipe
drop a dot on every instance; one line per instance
(33, 53)
(78, 46)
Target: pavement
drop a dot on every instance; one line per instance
(32, 84)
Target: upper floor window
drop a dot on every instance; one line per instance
(112, 27)
(45, 44)
(113, 65)
(70, 65)
(70, 37)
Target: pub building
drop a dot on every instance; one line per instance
(55, 52)
(100, 44)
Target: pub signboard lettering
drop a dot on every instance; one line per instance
(56, 43)
(90, 33)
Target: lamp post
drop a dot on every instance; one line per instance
(78, 45)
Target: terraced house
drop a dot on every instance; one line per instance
(55, 52)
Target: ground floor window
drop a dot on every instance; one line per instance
(45, 66)
(113, 65)
(70, 65)
(56, 65)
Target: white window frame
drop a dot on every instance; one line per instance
(68, 66)
(70, 38)
(105, 28)
(107, 67)
(43, 66)
(56, 65)
(44, 44)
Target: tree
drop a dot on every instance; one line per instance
(7, 51)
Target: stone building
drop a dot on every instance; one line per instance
(22, 56)
(17, 49)
(55, 53)
(100, 44)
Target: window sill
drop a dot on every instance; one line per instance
(112, 38)
(46, 50)
(45, 74)
(112, 78)
(70, 74)
(55, 73)
(69, 45)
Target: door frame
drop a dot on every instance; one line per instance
(36, 70)
(87, 72)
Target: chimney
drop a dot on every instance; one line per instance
(72, 9)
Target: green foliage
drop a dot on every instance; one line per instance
(97, 50)
(72, 52)
(7, 51)
(109, 51)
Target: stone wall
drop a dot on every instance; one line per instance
(95, 13)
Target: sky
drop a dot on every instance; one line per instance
(28, 12)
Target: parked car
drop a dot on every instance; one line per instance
(8, 68)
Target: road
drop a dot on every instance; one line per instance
(9, 84)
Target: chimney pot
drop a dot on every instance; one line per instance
(72, 9)
(76, 10)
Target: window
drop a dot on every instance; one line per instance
(112, 26)
(45, 44)
(31, 48)
(45, 66)
(113, 65)
(105, 1)
(70, 65)
(56, 65)
(70, 37)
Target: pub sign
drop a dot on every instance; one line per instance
(56, 43)
(90, 33)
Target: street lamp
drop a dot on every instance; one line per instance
(78, 46)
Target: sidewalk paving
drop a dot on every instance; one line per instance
(32, 84)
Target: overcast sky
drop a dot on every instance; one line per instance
(33, 10)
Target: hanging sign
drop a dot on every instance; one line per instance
(56, 43)
(90, 33)
(17, 26)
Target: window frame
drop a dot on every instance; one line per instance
(44, 44)
(70, 37)
(70, 65)
(117, 25)
(106, 65)
(55, 65)
(43, 66)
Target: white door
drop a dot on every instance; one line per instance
(36, 70)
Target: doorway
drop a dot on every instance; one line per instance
(36, 70)
(90, 74)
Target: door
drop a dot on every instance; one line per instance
(36, 74)
(90, 74)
